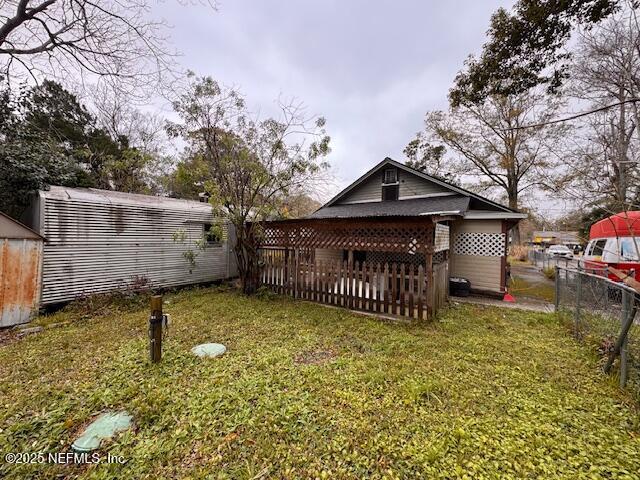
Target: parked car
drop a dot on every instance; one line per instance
(560, 251)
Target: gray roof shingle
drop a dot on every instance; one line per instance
(450, 204)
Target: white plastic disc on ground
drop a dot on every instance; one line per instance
(102, 428)
(209, 349)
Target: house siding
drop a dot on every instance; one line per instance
(484, 272)
(411, 185)
(368, 191)
(478, 246)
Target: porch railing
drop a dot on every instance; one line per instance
(395, 289)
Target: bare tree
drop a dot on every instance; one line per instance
(490, 146)
(142, 131)
(116, 114)
(114, 40)
(604, 167)
(251, 166)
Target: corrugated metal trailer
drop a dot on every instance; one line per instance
(20, 263)
(99, 240)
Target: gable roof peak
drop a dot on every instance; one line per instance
(418, 173)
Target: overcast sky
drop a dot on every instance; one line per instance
(371, 68)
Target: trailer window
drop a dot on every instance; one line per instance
(587, 249)
(598, 248)
(611, 251)
(629, 248)
(210, 236)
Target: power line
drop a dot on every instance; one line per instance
(578, 115)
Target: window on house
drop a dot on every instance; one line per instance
(211, 237)
(390, 176)
(390, 192)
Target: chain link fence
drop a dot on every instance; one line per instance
(544, 260)
(603, 314)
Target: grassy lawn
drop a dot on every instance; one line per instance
(521, 287)
(306, 391)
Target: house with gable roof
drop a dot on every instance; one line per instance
(396, 215)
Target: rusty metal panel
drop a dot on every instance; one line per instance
(99, 241)
(20, 261)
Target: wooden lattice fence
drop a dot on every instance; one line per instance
(382, 235)
(403, 280)
(395, 289)
(440, 285)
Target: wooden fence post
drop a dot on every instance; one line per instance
(557, 291)
(362, 291)
(378, 287)
(430, 293)
(420, 292)
(402, 291)
(385, 307)
(412, 313)
(296, 272)
(322, 279)
(155, 329)
(332, 282)
(372, 279)
(578, 302)
(287, 272)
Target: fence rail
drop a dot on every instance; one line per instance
(603, 313)
(396, 289)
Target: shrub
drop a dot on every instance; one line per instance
(265, 293)
(130, 297)
(549, 272)
(519, 253)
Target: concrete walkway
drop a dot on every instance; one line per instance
(531, 274)
(520, 304)
(524, 304)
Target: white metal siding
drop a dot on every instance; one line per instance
(95, 247)
(484, 272)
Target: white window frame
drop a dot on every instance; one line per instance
(395, 176)
(635, 257)
(206, 232)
